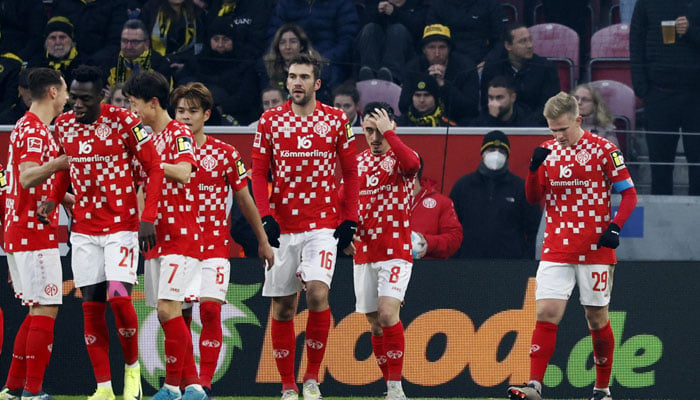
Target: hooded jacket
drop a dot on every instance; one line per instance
(433, 215)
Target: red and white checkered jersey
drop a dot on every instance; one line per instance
(220, 170)
(3, 187)
(386, 195)
(30, 141)
(302, 152)
(578, 182)
(102, 154)
(177, 229)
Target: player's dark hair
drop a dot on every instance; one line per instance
(503, 81)
(89, 74)
(508, 32)
(40, 79)
(307, 59)
(146, 85)
(193, 93)
(347, 89)
(369, 109)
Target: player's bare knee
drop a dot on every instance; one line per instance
(317, 297)
(597, 317)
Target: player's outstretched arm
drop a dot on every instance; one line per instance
(251, 214)
(179, 172)
(32, 174)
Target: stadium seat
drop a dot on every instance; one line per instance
(513, 10)
(379, 90)
(610, 54)
(591, 19)
(559, 44)
(621, 103)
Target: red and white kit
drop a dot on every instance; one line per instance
(33, 257)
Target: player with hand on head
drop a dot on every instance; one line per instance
(103, 142)
(300, 144)
(221, 173)
(171, 265)
(32, 248)
(575, 173)
(383, 258)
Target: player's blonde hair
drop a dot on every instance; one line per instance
(560, 104)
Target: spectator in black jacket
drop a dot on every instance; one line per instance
(477, 25)
(503, 109)
(176, 29)
(251, 18)
(136, 54)
(21, 29)
(535, 78)
(667, 77)
(98, 25)
(426, 109)
(497, 220)
(61, 53)
(454, 73)
(232, 81)
(387, 39)
(23, 100)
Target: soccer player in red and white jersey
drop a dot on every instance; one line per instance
(221, 172)
(103, 141)
(171, 265)
(3, 186)
(299, 145)
(32, 248)
(383, 259)
(575, 173)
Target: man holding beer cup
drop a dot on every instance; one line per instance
(665, 62)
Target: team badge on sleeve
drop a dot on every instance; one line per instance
(3, 180)
(617, 159)
(139, 133)
(240, 168)
(34, 144)
(348, 132)
(184, 145)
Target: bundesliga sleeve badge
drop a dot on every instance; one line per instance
(617, 159)
(139, 133)
(348, 132)
(3, 180)
(240, 168)
(184, 145)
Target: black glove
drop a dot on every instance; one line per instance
(611, 237)
(272, 230)
(344, 233)
(147, 236)
(538, 157)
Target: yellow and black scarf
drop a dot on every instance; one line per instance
(436, 118)
(227, 8)
(159, 34)
(124, 67)
(62, 65)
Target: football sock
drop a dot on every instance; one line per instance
(603, 348)
(97, 339)
(380, 355)
(394, 344)
(544, 338)
(189, 368)
(39, 344)
(284, 346)
(317, 327)
(176, 334)
(127, 327)
(18, 366)
(210, 340)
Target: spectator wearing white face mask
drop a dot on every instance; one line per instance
(497, 221)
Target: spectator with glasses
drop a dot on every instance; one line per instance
(136, 54)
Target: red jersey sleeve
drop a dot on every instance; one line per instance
(236, 171)
(262, 155)
(348, 203)
(35, 143)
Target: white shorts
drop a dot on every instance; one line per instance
(211, 279)
(556, 281)
(37, 277)
(100, 258)
(302, 257)
(166, 277)
(380, 279)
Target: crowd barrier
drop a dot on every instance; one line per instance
(468, 326)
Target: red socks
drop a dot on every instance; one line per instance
(394, 348)
(18, 367)
(380, 355)
(127, 327)
(189, 368)
(97, 339)
(39, 344)
(544, 338)
(317, 327)
(175, 332)
(603, 348)
(210, 340)
(284, 345)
